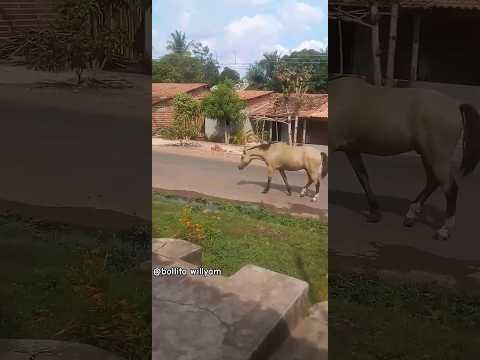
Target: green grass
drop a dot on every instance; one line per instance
(236, 235)
(66, 284)
(376, 319)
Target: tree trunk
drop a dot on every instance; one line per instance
(340, 45)
(295, 131)
(415, 48)
(227, 134)
(377, 66)
(392, 45)
(304, 131)
(289, 130)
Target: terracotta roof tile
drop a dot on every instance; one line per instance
(314, 106)
(252, 94)
(167, 91)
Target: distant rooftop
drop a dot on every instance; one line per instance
(167, 91)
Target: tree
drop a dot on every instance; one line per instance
(186, 124)
(223, 104)
(230, 74)
(72, 43)
(261, 74)
(178, 68)
(178, 43)
(210, 65)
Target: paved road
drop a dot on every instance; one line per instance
(222, 179)
(63, 150)
(396, 180)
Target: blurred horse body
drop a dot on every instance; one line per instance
(390, 121)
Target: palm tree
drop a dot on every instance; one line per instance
(178, 43)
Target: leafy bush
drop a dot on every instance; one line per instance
(187, 119)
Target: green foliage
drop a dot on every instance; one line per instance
(262, 75)
(243, 137)
(177, 68)
(178, 43)
(224, 104)
(188, 62)
(186, 124)
(70, 43)
(230, 74)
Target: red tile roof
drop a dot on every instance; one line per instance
(252, 94)
(314, 106)
(167, 91)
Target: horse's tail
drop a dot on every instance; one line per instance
(324, 171)
(471, 138)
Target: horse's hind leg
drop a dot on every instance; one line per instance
(317, 189)
(358, 166)
(451, 193)
(416, 206)
(307, 185)
(284, 177)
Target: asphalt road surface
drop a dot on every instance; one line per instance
(60, 149)
(221, 179)
(396, 181)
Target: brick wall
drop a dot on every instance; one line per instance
(22, 15)
(162, 116)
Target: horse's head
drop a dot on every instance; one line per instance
(244, 160)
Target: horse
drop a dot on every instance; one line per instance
(390, 121)
(283, 157)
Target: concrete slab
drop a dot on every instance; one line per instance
(177, 249)
(309, 341)
(218, 318)
(28, 349)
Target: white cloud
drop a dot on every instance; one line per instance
(312, 44)
(258, 25)
(301, 14)
(250, 2)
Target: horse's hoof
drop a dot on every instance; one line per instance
(302, 195)
(408, 222)
(374, 217)
(442, 235)
(314, 199)
(264, 191)
(289, 193)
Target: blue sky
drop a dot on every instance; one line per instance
(242, 30)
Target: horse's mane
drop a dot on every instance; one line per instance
(263, 147)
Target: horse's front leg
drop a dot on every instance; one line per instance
(416, 207)
(284, 177)
(358, 166)
(269, 180)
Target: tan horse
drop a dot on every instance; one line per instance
(283, 157)
(389, 121)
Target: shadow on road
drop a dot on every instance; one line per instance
(432, 216)
(279, 187)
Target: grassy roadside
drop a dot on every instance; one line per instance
(234, 235)
(372, 318)
(67, 284)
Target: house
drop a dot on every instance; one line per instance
(282, 119)
(162, 101)
(415, 43)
